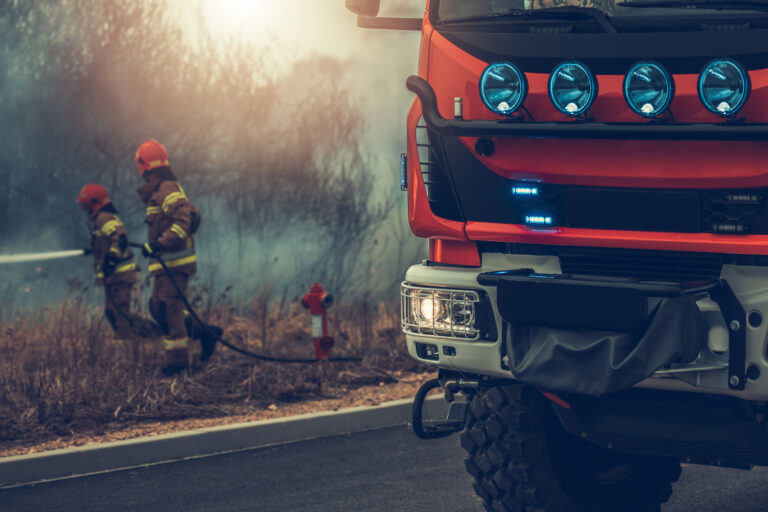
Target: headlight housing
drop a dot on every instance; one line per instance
(446, 313)
(572, 88)
(648, 89)
(503, 88)
(723, 86)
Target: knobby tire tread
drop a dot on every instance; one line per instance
(505, 440)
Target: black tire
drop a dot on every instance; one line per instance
(522, 460)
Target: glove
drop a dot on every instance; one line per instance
(110, 263)
(87, 251)
(153, 249)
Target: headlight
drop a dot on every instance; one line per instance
(648, 89)
(443, 313)
(503, 88)
(572, 88)
(723, 86)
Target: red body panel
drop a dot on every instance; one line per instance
(643, 164)
(454, 253)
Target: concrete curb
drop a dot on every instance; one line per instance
(80, 461)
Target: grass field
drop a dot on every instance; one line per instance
(61, 373)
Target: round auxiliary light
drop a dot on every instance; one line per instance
(723, 86)
(648, 89)
(503, 88)
(572, 88)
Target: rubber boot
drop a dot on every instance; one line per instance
(208, 338)
(176, 361)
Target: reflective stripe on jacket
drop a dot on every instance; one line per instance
(171, 221)
(107, 230)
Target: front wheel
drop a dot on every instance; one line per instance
(522, 460)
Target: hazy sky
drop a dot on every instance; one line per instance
(303, 26)
(376, 62)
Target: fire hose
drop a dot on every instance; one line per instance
(226, 343)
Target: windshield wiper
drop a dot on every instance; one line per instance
(568, 13)
(739, 5)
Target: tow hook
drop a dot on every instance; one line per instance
(457, 413)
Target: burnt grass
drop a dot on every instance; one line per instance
(61, 372)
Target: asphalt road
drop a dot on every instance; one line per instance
(384, 470)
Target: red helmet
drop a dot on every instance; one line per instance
(93, 195)
(151, 155)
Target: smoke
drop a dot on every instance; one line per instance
(290, 149)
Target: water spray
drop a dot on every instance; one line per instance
(40, 256)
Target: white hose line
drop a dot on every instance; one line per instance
(40, 256)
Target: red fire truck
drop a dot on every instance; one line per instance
(592, 176)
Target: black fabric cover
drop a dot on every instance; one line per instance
(599, 362)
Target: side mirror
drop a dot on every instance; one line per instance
(364, 7)
(367, 17)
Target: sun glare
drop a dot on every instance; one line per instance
(236, 15)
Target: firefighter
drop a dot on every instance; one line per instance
(172, 221)
(113, 261)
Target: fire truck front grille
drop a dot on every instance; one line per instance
(679, 267)
(737, 212)
(643, 266)
(733, 212)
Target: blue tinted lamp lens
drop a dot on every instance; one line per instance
(502, 88)
(648, 89)
(572, 88)
(723, 87)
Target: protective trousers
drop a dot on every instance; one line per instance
(167, 308)
(118, 311)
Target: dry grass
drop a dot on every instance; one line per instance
(61, 374)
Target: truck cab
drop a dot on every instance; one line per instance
(591, 176)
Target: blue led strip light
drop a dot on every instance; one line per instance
(539, 220)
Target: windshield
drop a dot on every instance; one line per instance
(458, 9)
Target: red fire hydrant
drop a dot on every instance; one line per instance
(317, 300)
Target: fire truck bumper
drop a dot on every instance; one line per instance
(519, 317)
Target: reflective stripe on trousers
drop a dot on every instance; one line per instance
(177, 343)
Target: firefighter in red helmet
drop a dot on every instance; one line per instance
(172, 221)
(113, 261)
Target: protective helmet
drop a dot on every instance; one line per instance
(93, 195)
(151, 155)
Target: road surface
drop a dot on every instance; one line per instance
(384, 470)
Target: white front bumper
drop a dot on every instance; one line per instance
(750, 284)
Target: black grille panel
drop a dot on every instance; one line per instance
(678, 267)
(653, 266)
(437, 183)
(738, 212)
(675, 211)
